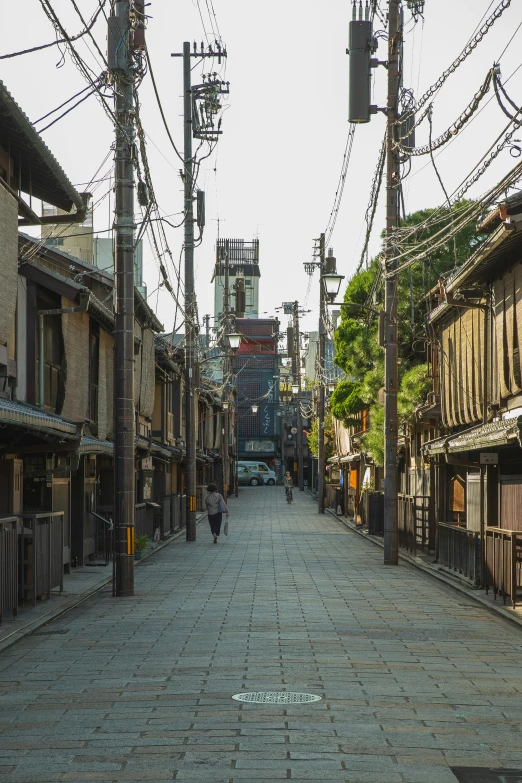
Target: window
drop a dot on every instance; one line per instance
(94, 365)
(53, 355)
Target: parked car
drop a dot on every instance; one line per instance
(269, 477)
(247, 477)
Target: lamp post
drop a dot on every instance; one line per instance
(233, 341)
(329, 284)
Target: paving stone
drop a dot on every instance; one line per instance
(413, 677)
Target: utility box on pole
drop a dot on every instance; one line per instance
(361, 45)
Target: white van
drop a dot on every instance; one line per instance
(269, 476)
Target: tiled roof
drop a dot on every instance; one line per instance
(22, 414)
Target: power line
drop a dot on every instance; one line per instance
(340, 187)
(68, 111)
(374, 198)
(466, 52)
(160, 106)
(87, 29)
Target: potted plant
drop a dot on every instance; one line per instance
(140, 542)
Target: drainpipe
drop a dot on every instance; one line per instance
(82, 308)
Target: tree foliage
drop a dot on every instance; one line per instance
(357, 351)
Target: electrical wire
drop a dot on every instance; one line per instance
(87, 29)
(68, 111)
(466, 52)
(340, 186)
(374, 198)
(160, 106)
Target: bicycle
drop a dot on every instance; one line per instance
(288, 491)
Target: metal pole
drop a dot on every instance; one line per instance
(297, 337)
(226, 367)
(391, 541)
(320, 360)
(190, 330)
(124, 427)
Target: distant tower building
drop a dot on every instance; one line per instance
(243, 262)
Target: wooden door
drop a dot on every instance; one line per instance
(62, 502)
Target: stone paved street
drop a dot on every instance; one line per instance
(414, 678)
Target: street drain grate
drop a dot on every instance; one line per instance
(276, 697)
(487, 775)
(52, 633)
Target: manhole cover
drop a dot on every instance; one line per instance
(276, 697)
(478, 775)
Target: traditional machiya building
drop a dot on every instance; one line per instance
(476, 335)
(57, 386)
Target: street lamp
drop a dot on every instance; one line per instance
(255, 409)
(226, 405)
(295, 389)
(332, 283)
(234, 340)
(331, 386)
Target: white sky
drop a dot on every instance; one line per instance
(276, 169)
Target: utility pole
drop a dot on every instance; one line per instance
(190, 327)
(120, 64)
(391, 539)
(226, 366)
(297, 354)
(201, 127)
(206, 320)
(320, 361)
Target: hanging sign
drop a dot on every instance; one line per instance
(488, 458)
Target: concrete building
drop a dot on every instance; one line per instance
(332, 371)
(79, 240)
(243, 261)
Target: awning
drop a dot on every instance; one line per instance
(351, 458)
(498, 433)
(22, 415)
(94, 446)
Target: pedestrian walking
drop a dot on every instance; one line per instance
(216, 507)
(289, 485)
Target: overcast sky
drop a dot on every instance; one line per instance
(276, 169)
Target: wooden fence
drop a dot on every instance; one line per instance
(459, 550)
(503, 562)
(9, 573)
(416, 523)
(41, 541)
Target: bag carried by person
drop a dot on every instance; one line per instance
(222, 507)
(225, 528)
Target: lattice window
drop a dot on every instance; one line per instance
(256, 328)
(261, 362)
(249, 386)
(248, 423)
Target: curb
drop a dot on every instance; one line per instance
(34, 625)
(446, 579)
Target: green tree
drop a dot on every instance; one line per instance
(357, 351)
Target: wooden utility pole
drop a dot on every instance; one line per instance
(120, 64)
(391, 540)
(298, 377)
(321, 466)
(190, 310)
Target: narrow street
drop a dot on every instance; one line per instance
(413, 678)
